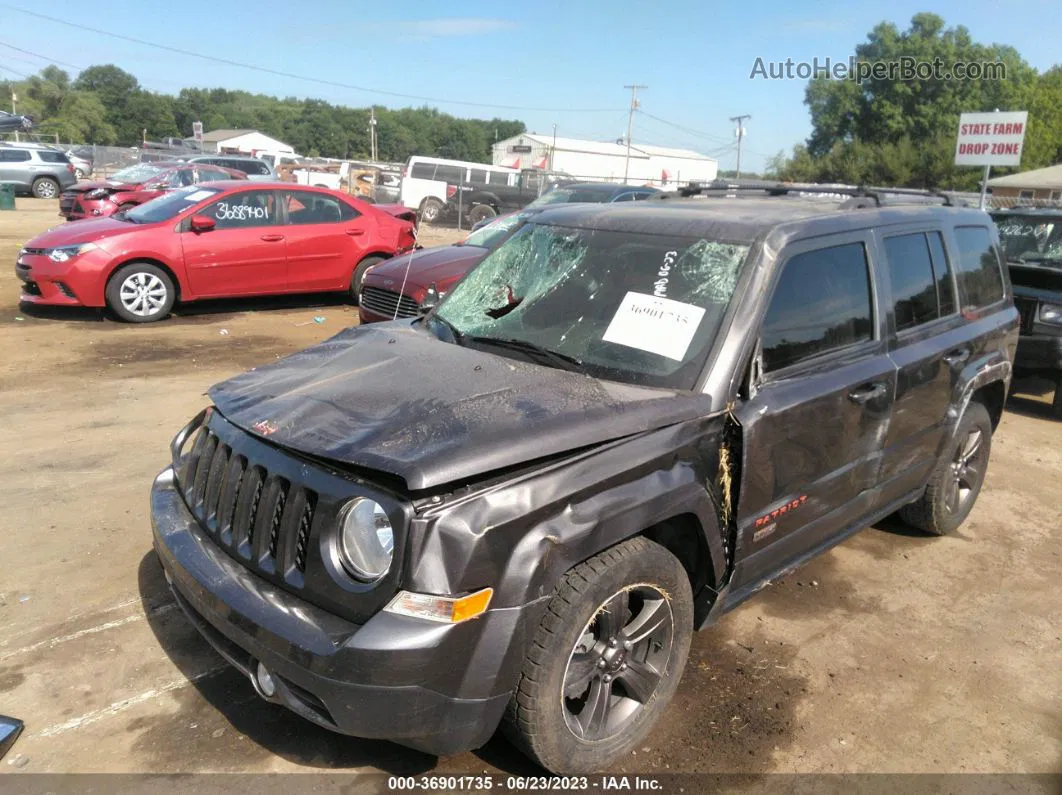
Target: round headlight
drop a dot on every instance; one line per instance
(366, 540)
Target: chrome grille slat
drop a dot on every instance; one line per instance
(383, 302)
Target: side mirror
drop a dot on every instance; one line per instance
(202, 223)
(432, 296)
(10, 729)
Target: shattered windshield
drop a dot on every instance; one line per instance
(137, 173)
(626, 306)
(492, 235)
(1030, 238)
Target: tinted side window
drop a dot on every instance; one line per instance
(308, 207)
(978, 272)
(941, 269)
(247, 209)
(451, 175)
(52, 157)
(478, 176)
(422, 171)
(914, 290)
(822, 303)
(14, 155)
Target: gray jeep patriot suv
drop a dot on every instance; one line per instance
(515, 509)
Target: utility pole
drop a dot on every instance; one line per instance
(553, 151)
(740, 132)
(372, 134)
(14, 99)
(630, 124)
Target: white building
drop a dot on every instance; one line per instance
(605, 161)
(244, 142)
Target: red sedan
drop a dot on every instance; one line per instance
(214, 240)
(135, 185)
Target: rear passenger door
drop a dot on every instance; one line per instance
(815, 425)
(326, 238)
(928, 343)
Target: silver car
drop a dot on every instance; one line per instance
(35, 169)
(255, 168)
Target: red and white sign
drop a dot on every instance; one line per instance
(991, 139)
(197, 131)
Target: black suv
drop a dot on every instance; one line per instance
(1032, 245)
(516, 509)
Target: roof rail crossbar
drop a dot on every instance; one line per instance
(876, 194)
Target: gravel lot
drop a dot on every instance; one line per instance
(892, 653)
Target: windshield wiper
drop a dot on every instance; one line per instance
(559, 360)
(455, 332)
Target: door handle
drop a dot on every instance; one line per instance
(355, 232)
(272, 238)
(866, 393)
(957, 357)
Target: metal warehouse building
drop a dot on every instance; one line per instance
(604, 161)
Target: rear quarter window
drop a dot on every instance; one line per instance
(53, 157)
(978, 271)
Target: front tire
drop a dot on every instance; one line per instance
(430, 210)
(358, 276)
(45, 188)
(605, 661)
(141, 293)
(956, 481)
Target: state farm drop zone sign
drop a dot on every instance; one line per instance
(991, 139)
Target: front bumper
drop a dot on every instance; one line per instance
(74, 207)
(1039, 352)
(434, 687)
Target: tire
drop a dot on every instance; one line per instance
(359, 274)
(45, 188)
(1056, 404)
(572, 651)
(956, 481)
(480, 213)
(141, 280)
(430, 210)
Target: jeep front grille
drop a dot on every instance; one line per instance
(383, 302)
(259, 516)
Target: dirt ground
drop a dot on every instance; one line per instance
(893, 653)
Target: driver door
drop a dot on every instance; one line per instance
(245, 253)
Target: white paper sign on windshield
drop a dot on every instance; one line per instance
(655, 325)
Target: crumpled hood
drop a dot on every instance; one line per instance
(89, 230)
(114, 187)
(442, 266)
(400, 401)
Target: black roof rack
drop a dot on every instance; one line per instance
(861, 196)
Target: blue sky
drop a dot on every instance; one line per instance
(571, 59)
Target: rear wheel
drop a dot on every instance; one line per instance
(358, 276)
(1056, 405)
(140, 293)
(45, 188)
(605, 661)
(430, 210)
(956, 481)
(481, 213)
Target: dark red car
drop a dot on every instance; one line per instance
(135, 185)
(214, 240)
(406, 285)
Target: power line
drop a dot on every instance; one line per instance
(292, 75)
(38, 55)
(687, 130)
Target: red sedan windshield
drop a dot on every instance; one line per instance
(168, 206)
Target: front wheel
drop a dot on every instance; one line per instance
(430, 210)
(482, 213)
(605, 661)
(956, 481)
(140, 293)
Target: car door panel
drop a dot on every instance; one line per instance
(814, 430)
(242, 255)
(322, 247)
